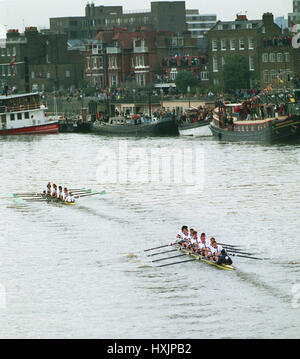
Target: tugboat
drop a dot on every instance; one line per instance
(24, 114)
(276, 119)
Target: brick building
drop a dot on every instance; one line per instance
(163, 15)
(141, 58)
(40, 61)
(243, 37)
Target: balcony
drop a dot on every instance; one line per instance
(140, 49)
(113, 50)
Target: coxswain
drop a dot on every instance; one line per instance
(218, 253)
(70, 198)
(54, 190)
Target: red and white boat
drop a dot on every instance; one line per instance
(25, 115)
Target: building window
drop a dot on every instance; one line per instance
(100, 61)
(140, 61)
(266, 76)
(48, 75)
(141, 79)
(173, 75)
(232, 45)
(265, 57)
(32, 75)
(113, 80)
(223, 45)
(214, 45)
(242, 44)
(272, 75)
(88, 63)
(68, 73)
(251, 63)
(19, 115)
(251, 44)
(286, 57)
(272, 57)
(223, 61)
(215, 64)
(279, 57)
(12, 117)
(112, 62)
(204, 75)
(26, 115)
(95, 63)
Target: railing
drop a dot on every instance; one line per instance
(19, 108)
(113, 50)
(140, 49)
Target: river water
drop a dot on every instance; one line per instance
(81, 272)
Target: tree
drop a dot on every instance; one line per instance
(236, 74)
(185, 79)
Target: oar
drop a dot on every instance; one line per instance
(239, 255)
(163, 259)
(90, 194)
(156, 254)
(229, 245)
(152, 249)
(81, 190)
(34, 199)
(233, 250)
(170, 264)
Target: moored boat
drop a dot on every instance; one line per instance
(196, 129)
(166, 126)
(274, 128)
(203, 259)
(25, 115)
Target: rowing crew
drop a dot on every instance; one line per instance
(210, 250)
(57, 192)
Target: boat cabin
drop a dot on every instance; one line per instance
(18, 111)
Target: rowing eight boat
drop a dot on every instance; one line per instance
(57, 200)
(203, 259)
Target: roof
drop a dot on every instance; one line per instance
(237, 25)
(3, 97)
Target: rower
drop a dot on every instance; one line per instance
(54, 190)
(60, 193)
(48, 189)
(183, 236)
(191, 232)
(65, 194)
(203, 246)
(194, 241)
